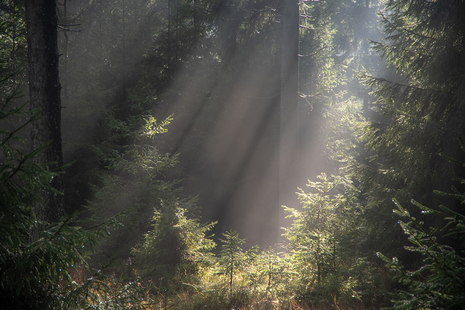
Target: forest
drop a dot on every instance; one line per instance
(232, 154)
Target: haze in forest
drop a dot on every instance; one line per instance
(224, 103)
(230, 154)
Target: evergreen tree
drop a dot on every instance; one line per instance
(174, 250)
(325, 241)
(136, 58)
(313, 233)
(271, 277)
(233, 259)
(329, 113)
(133, 185)
(422, 110)
(37, 273)
(116, 64)
(438, 281)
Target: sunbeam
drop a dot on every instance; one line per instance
(231, 154)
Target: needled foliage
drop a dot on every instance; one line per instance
(20, 178)
(174, 250)
(127, 66)
(325, 239)
(438, 282)
(313, 230)
(420, 115)
(330, 104)
(39, 273)
(422, 107)
(132, 183)
(119, 58)
(13, 45)
(232, 258)
(246, 33)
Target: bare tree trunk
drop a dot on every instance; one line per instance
(289, 112)
(44, 96)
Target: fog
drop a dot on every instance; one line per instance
(219, 81)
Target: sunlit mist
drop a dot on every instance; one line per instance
(225, 108)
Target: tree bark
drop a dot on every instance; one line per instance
(44, 96)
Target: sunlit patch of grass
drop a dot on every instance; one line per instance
(213, 292)
(208, 290)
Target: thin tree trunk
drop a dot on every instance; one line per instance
(231, 280)
(64, 70)
(44, 96)
(289, 114)
(169, 41)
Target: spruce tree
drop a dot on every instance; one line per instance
(421, 107)
(133, 184)
(438, 279)
(175, 250)
(325, 240)
(232, 259)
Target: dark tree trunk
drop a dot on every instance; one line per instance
(44, 96)
(289, 112)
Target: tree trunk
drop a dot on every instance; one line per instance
(44, 96)
(289, 114)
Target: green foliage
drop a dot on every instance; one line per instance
(20, 180)
(417, 113)
(326, 239)
(175, 249)
(422, 106)
(270, 270)
(124, 63)
(120, 64)
(322, 72)
(38, 273)
(439, 282)
(272, 277)
(132, 183)
(330, 104)
(312, 234)
(245, 34)
(232, 258)
(13, 45)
